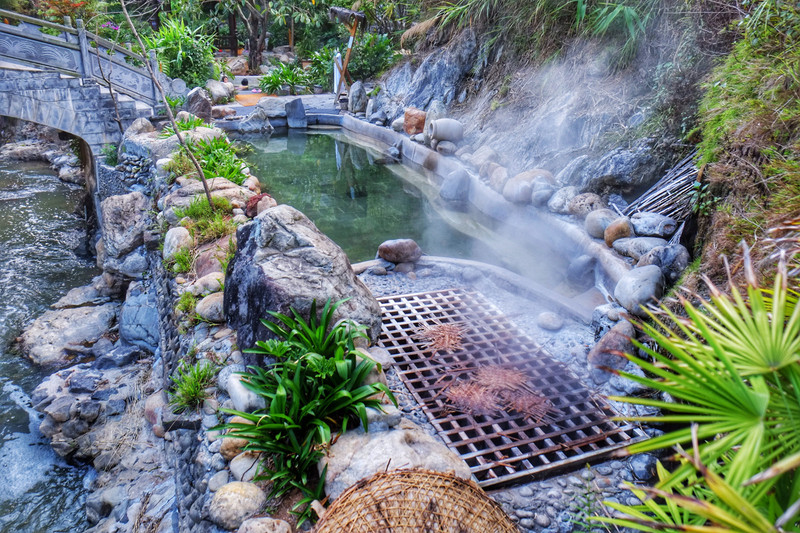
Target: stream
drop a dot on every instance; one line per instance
(43, 255)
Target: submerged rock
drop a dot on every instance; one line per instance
(284, 261)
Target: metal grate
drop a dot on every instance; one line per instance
(503, 446)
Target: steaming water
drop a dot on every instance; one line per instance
(359, 205)
(42, 256)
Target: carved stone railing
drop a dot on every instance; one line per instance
(77, 52)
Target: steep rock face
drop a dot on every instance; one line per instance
(284, 261)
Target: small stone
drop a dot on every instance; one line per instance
(177, 239)
(597, 221)
(638, 246)
(59, 408)
(232, 446)
(210, 308)
(541, 520)
(243, 398)
(549, 321)
(244, 466)
(400, 251)
(234, 502)
(643, 466)
(218, 480)
(264, 525)
(621, 228)
(583, 204)
(638, 287)
(560, 199)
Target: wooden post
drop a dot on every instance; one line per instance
(353, 28)
(67, 23)
(86, 67)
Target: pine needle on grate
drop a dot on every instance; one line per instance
(497, 378)
(469, 397)
(440, 337)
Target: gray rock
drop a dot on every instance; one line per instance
(124, 222)
(48, 339)
(235, 502)
(549, 321)
(243, 399)
(399, 251)
(636, 247)
(138, 322)
(580, 272)
(455, 187)
(220, 92)
(60, 408)
(643, 466)
(357, 455)
(559, 202)
(264, 525)
(177, 238)
(436, 110)
(653, 225)
(540, 197)
(397, 124)
(358, 98)
(640, 286)
(597, 221)
(604, 317)
(672, 260)
(198, 103)
(218, 480)
(446, 148)
(622, 170)
(284, 261)
(606, 353)
(296, 114)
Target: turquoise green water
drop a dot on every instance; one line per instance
(42, 245)
(356, 203)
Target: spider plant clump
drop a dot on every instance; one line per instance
(732, 366)
(315, 390)
(189, 385)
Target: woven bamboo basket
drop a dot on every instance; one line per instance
(414, 501)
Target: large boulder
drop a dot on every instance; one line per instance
(198, 103)
(220, 92)
(357, 455)
(55, 337)
(283, 261)
(124, 222)
(138, 322)
(296, 114)
(622, 169)
(639, 287)
(358, 98)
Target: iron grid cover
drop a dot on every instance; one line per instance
(440, 340)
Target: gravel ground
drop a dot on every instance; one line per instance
(557, 503)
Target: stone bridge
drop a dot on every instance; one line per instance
(63, 77)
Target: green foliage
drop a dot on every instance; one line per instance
(186, 303)
(180, 165)
(218, 159)
(290, 76)
(182, 261)
(372, 54)
(309, 396)
(110, 153)
(175, 103)
(199, 208)
(189, 385)
(184, 52)
(701, 199)
(183, 125)
(732, 367)
(205, 224)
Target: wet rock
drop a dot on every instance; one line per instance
(604, 317)
(607, 352)
(357, 97)
(210, 308)
(124, 222)
(357, 455)
(177, 239)
(622, 169)
(244, 466)
(583, 204)
(597, 221)
(621, 228)
(549, 321)
(264, 525)
(653, 225)
(235, 502)
(540, 197)
(636, 247)
(413, 121)
(672, 260)
(455, 187)
(643, 466)
(296, 114)
(519, 188)
(559, 202)
(400, 251)
(138, 322)
(49, 339)
(580, 272)
(640, 286)
(198, 103)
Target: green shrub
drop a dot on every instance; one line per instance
(218, 159)
(199, 208)
(732, 368)
(175, 102)
(186, 303)
(182, 261)
(189, 385)
(183, 125)
(291, 76)
(320, 72)
(184, 52)
(315, 390)
(207, 225)
(371, 55)
(110, 153)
